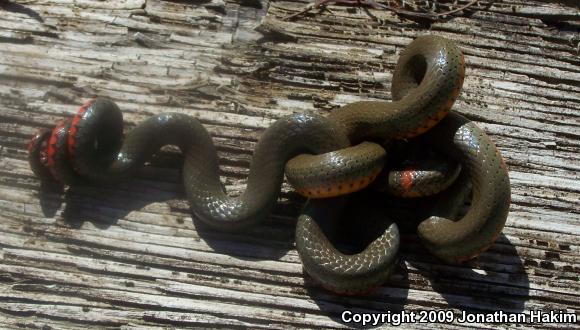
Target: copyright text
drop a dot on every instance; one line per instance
(449, 316)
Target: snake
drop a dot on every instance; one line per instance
(324, 158)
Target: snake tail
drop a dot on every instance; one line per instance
(427, 80)
(421, 173)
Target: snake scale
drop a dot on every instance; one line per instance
(322, 157)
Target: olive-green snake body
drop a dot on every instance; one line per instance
(321, 156)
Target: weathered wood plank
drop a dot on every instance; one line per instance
(131, 256)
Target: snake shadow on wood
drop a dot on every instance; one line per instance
(496, 280)
(323, 158)
(104, 206)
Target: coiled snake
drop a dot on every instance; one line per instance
(321, 156)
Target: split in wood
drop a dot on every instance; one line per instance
(396, 8)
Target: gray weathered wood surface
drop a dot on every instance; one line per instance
(131, 256)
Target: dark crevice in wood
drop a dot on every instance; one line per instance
(148, 55)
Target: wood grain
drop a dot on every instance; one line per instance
(131, 256)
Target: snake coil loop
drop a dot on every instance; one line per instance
(321, 156)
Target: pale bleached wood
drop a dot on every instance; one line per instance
(130, 256)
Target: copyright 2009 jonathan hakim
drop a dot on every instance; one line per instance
(463, 317)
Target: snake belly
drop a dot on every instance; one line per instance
(425, 84)
(427, 80)
(456, 241)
